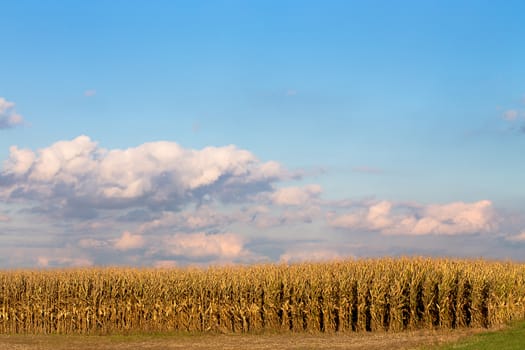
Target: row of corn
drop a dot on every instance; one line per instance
(362, 295)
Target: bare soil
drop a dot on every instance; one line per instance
(390, 341)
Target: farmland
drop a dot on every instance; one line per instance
(347, 296)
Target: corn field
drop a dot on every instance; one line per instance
(362, 295)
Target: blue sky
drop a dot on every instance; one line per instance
(373, 128)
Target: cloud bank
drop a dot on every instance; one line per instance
(160, 204)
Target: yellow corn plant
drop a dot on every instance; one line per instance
(345, 296)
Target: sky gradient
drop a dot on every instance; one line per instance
(161, 133)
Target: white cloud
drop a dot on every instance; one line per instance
(296, 195)
(154, 174)
(20, 160)
(446, 219)
(8, 116)
(202, 245)
(129, 241)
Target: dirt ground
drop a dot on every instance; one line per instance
(390, 341)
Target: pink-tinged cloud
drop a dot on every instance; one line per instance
(202, 245)
(165, 264)
(20, 160)
(517, 238)
(9, 118)
(297, 255)
(442, 219)
(89, 93)
(46, 261)
(129, 241)
(4, 218)
(511, 115)
(316, 251)
(297, 195)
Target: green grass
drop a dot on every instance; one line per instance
(512, 338)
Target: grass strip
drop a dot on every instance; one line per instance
(510, 338)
